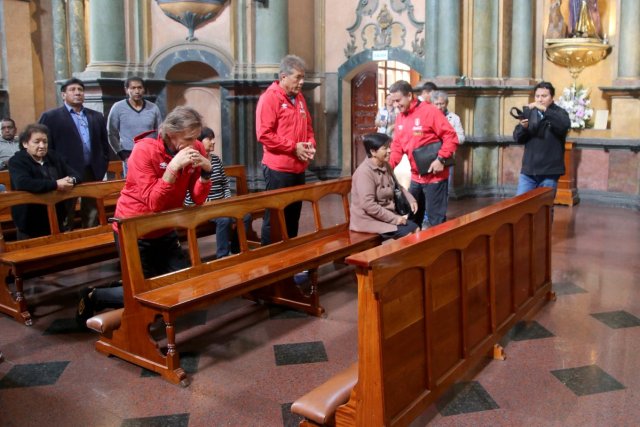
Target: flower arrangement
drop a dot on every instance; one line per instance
(575, 100)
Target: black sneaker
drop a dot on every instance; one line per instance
(85, 309)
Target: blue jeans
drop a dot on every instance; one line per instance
(531, 182)
(225, 240)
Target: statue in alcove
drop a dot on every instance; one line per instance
(584, 19)
(557, 29)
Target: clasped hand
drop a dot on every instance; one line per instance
(305, 151)
(65, 184)
(190, 157)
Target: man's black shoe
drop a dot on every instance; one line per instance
(85, 309)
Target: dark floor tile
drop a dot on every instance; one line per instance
(530, 331)
(567, 288)
(288, 418)
(283, 313)
(525, 330)
(176, 420)
(188, 361)
(64, 326)
(305, 352)
(617, 319)
(587, 380)
(33, 374)
(464, 398)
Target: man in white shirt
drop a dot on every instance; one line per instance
(386, 118)
(440, 100)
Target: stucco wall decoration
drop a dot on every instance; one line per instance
(379, 25)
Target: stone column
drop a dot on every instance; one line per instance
(107, 35)
(272, 32)
(522, 40)
(431, 39)
(77, 41)
(60, 52)
(629, 57)
(485, 39)
(448, 62)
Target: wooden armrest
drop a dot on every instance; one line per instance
(320, 404)
(105, 322)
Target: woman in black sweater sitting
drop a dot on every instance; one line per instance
(37, 169)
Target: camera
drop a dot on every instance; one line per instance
(519, 114)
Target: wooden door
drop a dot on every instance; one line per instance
(364, 107)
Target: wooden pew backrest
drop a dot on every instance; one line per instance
(99, 190)
(432, 305)
(131, 229)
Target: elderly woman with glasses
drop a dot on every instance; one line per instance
(37, 169)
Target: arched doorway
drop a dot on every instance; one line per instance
(369, 89)
(358, 110)
(191, 71)
(192, 83)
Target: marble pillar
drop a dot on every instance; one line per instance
(60, 52)
(431, 39)
(77, 42)
(107, 35)
(448, 62)
(485, 40)
(629, 56)
(522, 38)
(272, 33)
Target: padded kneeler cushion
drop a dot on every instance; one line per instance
(105, 322)
(320, 404)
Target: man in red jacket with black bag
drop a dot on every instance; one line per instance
(284, 128)
(420, 124)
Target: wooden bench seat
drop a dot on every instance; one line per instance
(433, 306)
(238, 279)
(58, 251)
(262, 273)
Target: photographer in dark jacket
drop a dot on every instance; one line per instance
(543, 132)
(38, 170)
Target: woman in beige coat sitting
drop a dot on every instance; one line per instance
(372, 204)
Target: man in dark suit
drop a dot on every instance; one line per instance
(79, 134)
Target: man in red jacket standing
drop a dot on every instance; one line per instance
(284, 128)
(419, 124)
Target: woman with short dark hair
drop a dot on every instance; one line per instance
(37, 169)
(373, 208)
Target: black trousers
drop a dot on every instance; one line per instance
(274, 180)
(158, 256)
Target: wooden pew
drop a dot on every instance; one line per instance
(59, 250)
(5, 179)
(114, 167)
(433, 306)
(206, 283)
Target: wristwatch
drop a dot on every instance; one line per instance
(442, 160)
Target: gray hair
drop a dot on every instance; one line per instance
(291, 63)
(181, 119)
(436, 94)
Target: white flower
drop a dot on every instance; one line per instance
(575, 100)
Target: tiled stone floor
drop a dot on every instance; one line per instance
(575, 364)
